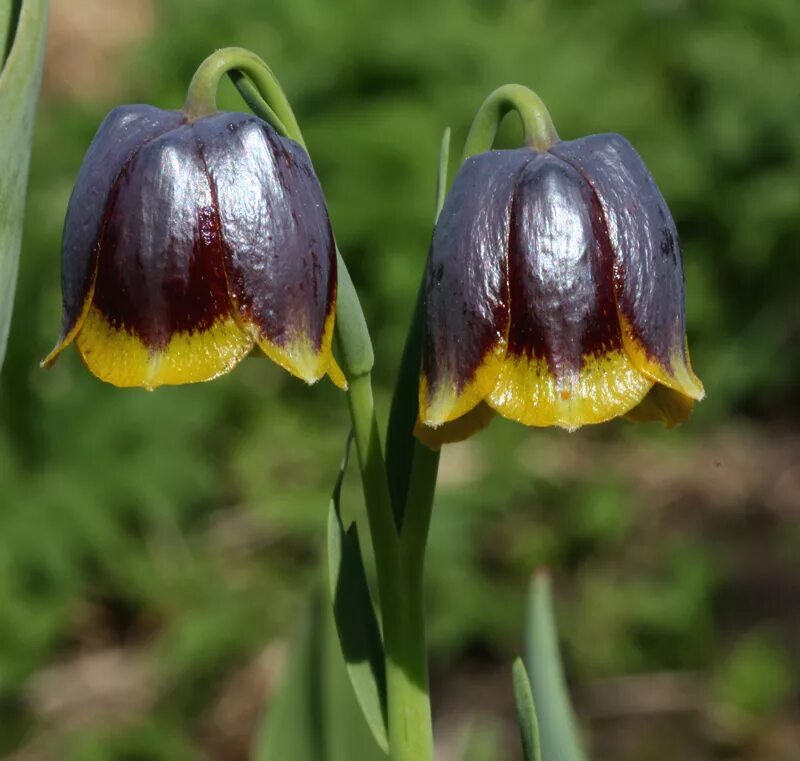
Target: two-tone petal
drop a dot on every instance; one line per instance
(467, 288)
(565, 364)
(554, 295)
(187, 243)
(649, 279)
(280, 254)
(119, 137)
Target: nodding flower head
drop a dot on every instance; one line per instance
(554, 294)
(187, 242)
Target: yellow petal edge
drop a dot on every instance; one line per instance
(607, 386)
(120, 358)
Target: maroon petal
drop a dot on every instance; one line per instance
(160, 270)
(565, 363)
(280, 252)
(466, 289)
(649, 268)
(124, 131)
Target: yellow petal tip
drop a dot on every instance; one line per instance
(120, 358)
(459, 429)
(662, 404)
(336, 375)
(606, 387)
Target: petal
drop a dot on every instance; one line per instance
(161, 312)
(662, 404)
(606, 387)
(122, 133)
(649, 268)
(565, 363)
(459, 429)
(120, 357)
(466, 290)
(280, 256)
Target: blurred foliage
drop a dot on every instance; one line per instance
(189, 521)
(755, 678)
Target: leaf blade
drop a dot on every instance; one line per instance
(295, 725)
(558, 728)
(401, 444)
(526, 713)
(354, 615)
(20, 78)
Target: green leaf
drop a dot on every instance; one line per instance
(401, 444)
(526, 713)
(22, 31)
(354, 614)
(295, 725)
(559, 735)
(9, 16)
(314, 716)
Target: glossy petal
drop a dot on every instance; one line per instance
(648, 262)
(565, 363)
(161, 312)
(467, 300)
(121, 134)
(280, 256)
(120, 357)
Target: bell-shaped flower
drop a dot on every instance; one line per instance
(187, 243)
(554, 294)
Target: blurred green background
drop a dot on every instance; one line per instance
(156, 548)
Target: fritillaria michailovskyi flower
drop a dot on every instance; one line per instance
(554, 294)
(188, 242)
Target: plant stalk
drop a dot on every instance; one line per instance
(400, 587)
(537, 126)
(399, 564)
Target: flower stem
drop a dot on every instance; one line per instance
(399, 564)
(400, 590)
(537, 126)
(201, 98)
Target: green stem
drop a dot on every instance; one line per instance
(399, 589)
(257, 104)
(201, 99)
(399, 572)
(537, 126)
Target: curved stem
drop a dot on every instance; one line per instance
(257, 104)
(399, 588)
(537, 126)
(201, 99)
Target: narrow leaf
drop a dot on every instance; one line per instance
(295, 725)
(354, 615)
(9, 16)
(401, 445)
(349, 738)
(559, 734)
(315, 716)
(526, 713)
(22, 31)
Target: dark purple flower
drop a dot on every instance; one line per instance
(554, 294)
(186, 243)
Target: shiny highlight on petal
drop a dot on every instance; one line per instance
(120, 358)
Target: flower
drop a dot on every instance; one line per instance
(554, 294)
(187, 242)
